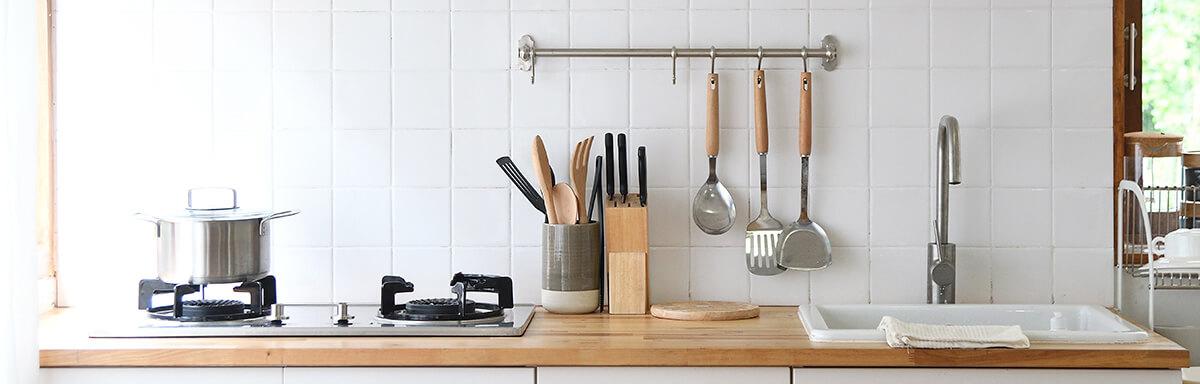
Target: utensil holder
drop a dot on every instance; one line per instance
(627, 241)
(571, 267)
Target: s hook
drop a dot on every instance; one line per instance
(760, 57)
(712, 54)
(674, 57)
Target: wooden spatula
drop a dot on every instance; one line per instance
(541, 172)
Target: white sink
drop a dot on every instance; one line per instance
(1078, 323)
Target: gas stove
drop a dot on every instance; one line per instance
(261, 315)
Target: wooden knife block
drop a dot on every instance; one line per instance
(627, 243)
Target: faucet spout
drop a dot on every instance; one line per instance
(940, 271)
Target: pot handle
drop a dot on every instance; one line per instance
(262, 226)
(152, 219)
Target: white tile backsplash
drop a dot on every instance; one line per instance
(382, 120)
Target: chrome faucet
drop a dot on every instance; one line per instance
(940, 268)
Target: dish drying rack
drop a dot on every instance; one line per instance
(1142, 215)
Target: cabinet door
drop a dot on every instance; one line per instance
(983, 376)
(301, 375)
(160, 375)
(657, 375)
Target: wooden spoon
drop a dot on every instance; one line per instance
(565, 202)
(542, 173)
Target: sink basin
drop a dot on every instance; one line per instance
(1077, 324)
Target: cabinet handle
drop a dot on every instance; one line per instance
(1130, 76)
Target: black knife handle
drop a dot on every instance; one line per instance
(642, 175)
(622, 166)
(610, 185)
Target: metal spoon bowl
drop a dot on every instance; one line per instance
(713, 208)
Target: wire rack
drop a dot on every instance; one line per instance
(1144, 214)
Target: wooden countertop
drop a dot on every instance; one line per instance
(777, 338)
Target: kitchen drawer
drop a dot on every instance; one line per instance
(657, 375)
(300, 375)
(983, 376)
(161, 375)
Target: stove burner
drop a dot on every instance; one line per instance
(262, 295)
(438, 306)
(457, 308)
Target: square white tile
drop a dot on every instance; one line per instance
(1021, 276)
(302, 41)
(1020, 38)
(488, 261)
(241, 5)
(477, 5)
(776, 29)
(474, 158)
(1082, 37)
(1021, 217)
(656, 103)
(657, 29)
(306, 275)
(842, 212)
(302, 5)
(527, 221)
(899, 38)
(670, 268)
(1083, 276)
(898, 275)
(1075, 153)
(362, 217)
(302, 100)
(962, 93)
(721, 28)
(899, 98)
(427, 268)
(970, 217)
(361, 100)
(478, 216)
(183, 40)
(1021, 158)
(421, 100)
(302, 159)
(599, 99)
(479, 99)
(960, 38)
(845, 281)
(182, 101)
(899, 217)
(1082, 98)
(420, 158)
(312, 227)
(357, 273)
(667, 156)
(900, 157)
(419, 217)
(840, 99)
(526, 275)
(599, 29)
(973, 276)
(719, 274)
(420, 40)
(361, 159)
(787, 288)
(241, 101)
(361, 40)
(241, 41)
(544, 104)
(1083, 218)
(669, 217)
(361, 5)
(849, 26)
(548, 29)
(1021, 98)
(479, 40)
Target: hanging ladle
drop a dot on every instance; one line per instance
(713, 208)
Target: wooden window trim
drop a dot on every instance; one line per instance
(45, 220)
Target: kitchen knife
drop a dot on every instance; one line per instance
(608, 165)
(642, 174)
(622, 166)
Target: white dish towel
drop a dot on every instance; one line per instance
(913, 335)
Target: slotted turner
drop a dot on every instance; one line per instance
(762, 235)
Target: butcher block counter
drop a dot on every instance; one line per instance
(776, 338)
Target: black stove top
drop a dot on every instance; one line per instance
(261, 295)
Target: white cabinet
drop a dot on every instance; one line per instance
(299, 375)
(160, 375)
(983, 376)
(658, 375)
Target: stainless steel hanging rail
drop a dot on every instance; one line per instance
(528, 52)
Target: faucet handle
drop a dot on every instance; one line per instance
(942, 274)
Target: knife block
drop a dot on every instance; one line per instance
(626, 238)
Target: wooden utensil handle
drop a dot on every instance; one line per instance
(805, 113)
(760, 111)
(712, 132)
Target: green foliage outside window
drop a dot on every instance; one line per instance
(1171, 68)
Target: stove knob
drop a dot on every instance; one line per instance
(343, 314)
(277, 317)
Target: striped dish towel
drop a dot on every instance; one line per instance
(913, 335)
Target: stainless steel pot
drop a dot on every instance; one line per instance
(214, 243)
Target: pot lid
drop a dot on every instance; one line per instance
(214, 204)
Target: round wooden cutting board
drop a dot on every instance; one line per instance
(705, 310)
